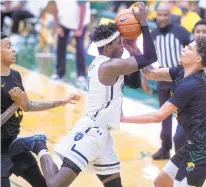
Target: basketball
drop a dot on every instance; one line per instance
(127, 24)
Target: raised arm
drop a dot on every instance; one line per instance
(110, 70)
(161, 74)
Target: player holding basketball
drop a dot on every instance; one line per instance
(90, 144)
(23, 164)
(188, 166)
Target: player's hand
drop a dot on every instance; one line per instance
(141, 13)
(145, 86)
(17, 95)
(72, 99)
(60, 31)
(78, 33)
(131, 47)
(123, 119)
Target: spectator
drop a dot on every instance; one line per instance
(19, 10)
(169, 39)
(202, 5)
(71, 16)
(189, 18)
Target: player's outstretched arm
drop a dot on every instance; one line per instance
(161, 74)
(154, 117)
(28, 105)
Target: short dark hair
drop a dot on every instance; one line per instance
(201, 48)
(201, 22)
(102, 32)
(3, 36)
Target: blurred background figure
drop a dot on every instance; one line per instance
(188, 18)
(18, 11)
(169, 39)
(202, 6)
(71, 16)
(200, 28)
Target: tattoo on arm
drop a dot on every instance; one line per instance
(41, 106)
(8, 113)
(161, 74)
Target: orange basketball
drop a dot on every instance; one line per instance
(127, 24)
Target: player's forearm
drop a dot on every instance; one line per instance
(8, 113)
(161, 74)
(148, 44)
(149, 55)
(41, 106)
(143, 119)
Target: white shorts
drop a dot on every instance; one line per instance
(90, 148)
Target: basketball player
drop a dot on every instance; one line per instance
(23, 164)
(188, 166)
(90, 145)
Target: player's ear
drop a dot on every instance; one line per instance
(199, 59)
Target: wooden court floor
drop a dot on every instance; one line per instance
(137, 167)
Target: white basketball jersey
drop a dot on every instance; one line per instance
(104, 102)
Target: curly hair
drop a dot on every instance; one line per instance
(201, 22)
(201, 48)
(102, 32)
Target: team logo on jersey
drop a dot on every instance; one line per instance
(2, 85)
(190, 166)
(78, 136)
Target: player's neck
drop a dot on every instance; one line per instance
(190, 70)
(5, 70)
(107, 54)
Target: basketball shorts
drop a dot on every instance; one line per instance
(16, 164)
(187, 167)
(90, 148)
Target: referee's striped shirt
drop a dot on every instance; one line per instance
(169, 43)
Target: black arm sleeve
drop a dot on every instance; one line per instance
(133, 80)
(149, 52)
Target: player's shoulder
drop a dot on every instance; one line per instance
(15, 73)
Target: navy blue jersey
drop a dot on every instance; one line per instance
(189, 96)
(11, 127)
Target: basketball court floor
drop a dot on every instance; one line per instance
(134, 143)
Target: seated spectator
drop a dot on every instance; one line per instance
(19, 10)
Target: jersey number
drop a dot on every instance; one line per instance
(18, 113)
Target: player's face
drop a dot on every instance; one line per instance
(117, 47)
(189, 54)
(200, 30)
(163, 18)
(8, 53)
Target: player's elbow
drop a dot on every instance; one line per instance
(157, 118)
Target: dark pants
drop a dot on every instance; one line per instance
(23, 165)
(61, 53)
(16, 16)
(166, 132)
